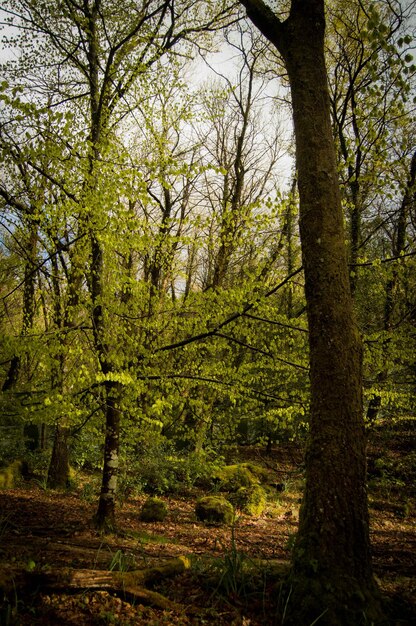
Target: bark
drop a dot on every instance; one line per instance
(104, 519)
(331, 574)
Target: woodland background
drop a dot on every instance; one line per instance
(153, 311)
(149, 242)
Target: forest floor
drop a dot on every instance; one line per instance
(225, 586)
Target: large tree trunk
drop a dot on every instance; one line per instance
(331, 561)
(331, 569)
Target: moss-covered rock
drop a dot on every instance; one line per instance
(233, 477)
(153, 510)
(261, 473)
(10, 474)
(214, 510)
(250, 500)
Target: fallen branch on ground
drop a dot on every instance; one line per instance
(130, 586)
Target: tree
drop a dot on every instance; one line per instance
(331, 575)
(397, 307)
(39, 211)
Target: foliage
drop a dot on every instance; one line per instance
(122, 562)
(10, 475)
(155, 467)
(233, 477)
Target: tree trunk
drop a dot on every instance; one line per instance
(105, 517)
(331, 566)
(29, 306)
(12, 374)
(58, 473)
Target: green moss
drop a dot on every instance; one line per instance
(154, 510)
(262, 474)
(10, 474)
(214, 510)
(250, 500)
(233, 477)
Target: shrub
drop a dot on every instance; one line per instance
(157, 468)
(11, 474)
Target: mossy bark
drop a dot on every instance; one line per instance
(331, 575)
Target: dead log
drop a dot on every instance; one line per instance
(131, 586)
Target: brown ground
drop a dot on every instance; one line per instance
(46, 529)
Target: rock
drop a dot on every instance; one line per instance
(10, 474)
(261, 473)
(153, 510)
(232, 477)
(250, 500)
(214, 510)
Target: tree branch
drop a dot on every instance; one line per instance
(265, 19)
(231, 318)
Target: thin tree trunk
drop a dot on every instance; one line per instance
(105, 516)
(289, 232)
(13, 374)
(58, 473)
(28, 313)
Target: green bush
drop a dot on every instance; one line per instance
(160, 469)
(10, 475)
